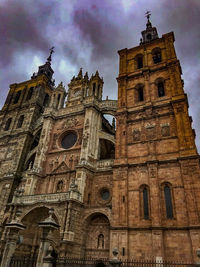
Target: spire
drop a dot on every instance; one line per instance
(86, 76)
(150, 33)
(80, 74)
(147, 15)
(46, 69)
(51, 52)
(60, 87)
(97, 74)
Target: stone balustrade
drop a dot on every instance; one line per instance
(47, 198)
(109, 104)
(105, 164)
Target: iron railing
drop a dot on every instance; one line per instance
(64, 262)
(73, 262)
(23, 262)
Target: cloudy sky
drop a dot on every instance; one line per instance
(88, 34)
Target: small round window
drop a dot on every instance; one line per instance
(69, 140)
(105, 194)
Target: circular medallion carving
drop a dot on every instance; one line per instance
(68, 140)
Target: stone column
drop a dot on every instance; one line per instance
(48, 260)
(48, 226)
(14, 227)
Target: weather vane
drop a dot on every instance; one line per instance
(148, 14)
(51, 52)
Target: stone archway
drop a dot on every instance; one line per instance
(29, 241)
(97, 236)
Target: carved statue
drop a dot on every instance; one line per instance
(59, 186)
(100, 241)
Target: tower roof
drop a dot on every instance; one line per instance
(46, 68)
(150, 33)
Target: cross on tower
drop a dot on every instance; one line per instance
(148, 14)
(51, 52)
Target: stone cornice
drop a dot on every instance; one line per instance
(151, 228)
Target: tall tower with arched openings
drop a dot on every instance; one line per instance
(155, 200)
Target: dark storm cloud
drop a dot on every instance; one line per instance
(18, 31)
(99, 29)
(88, 34)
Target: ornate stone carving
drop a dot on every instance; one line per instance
(87, 124)
(69, 123)
(55, 136)
(85, 139)
(76, 161)
(165, 130)
(152, 169)
(71, 161)
(136, 135)
(150, 131)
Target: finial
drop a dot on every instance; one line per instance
(97, 73)
(80, 74)
(148, 14)
(86, 76)
(51, 52)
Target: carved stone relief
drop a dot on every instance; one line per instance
(136, 135)
(55, 136)
(87, 124)
(150, 131)
(165, 130)
(85, 139)
(71, 161)
(69, 123)
(152, 169)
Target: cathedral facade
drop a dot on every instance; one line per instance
(133, 185)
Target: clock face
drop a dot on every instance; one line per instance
(77, 92)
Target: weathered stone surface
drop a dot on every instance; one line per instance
(99, 199)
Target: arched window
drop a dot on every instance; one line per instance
(161, 89)
(98, 90)
(94, 88)
(30, 162)
(17, 96)
(46, 100)
(59, 186)
(168, 202)
(30, 93)
(89, 199)
(58, 100)
(145, 203)
(140, 94)
(149, 36)
(20, 121)
(139, 61)
(157, 56)
(59, 97)
(36, 139)
(8, 123)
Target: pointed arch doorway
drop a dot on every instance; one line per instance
(97, 237)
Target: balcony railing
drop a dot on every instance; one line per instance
(47, 198)
(105, 164)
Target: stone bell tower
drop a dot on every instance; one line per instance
(156, 201)
(23, 108)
